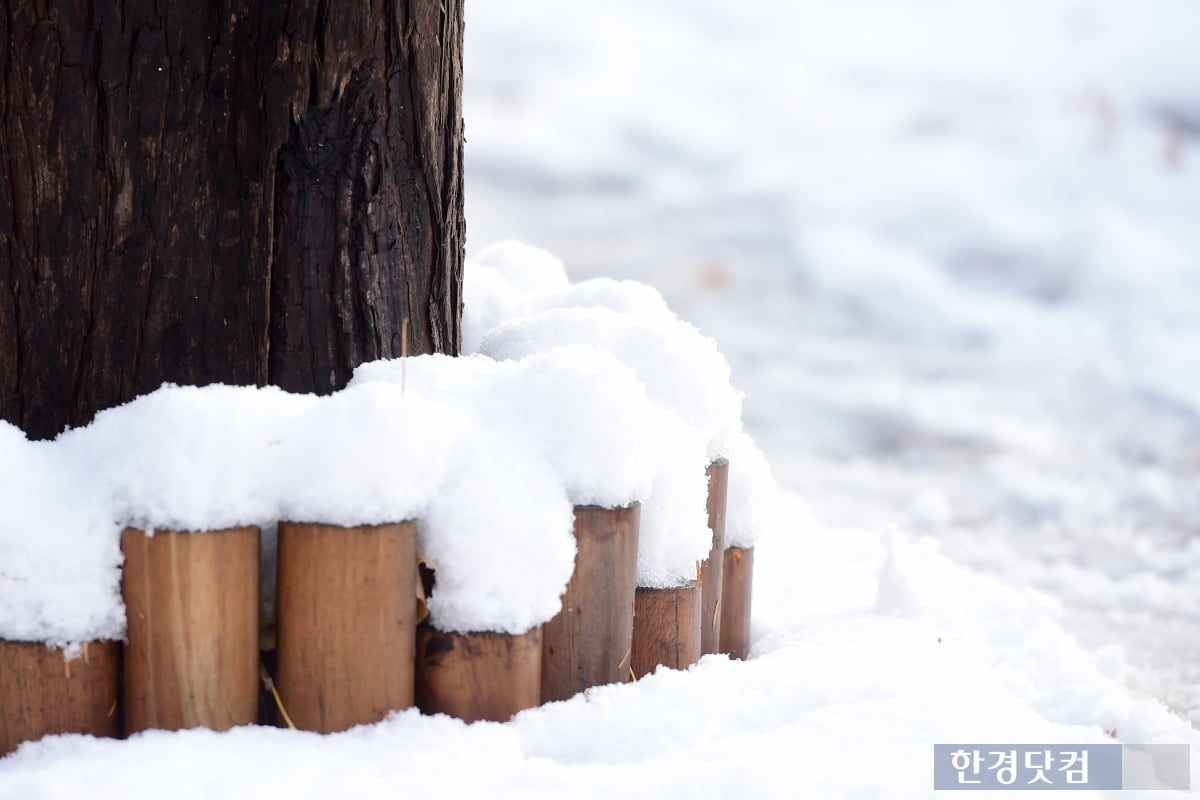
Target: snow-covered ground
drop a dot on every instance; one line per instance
(950, 250)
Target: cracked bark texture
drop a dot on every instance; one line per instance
(238, 191)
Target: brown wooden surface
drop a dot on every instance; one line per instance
(589, 642)
(41, 694)
(713, 568)
(666, 628)
(735, 601)
(192, 603)
(346, 614)
(246, 191)
(478, 676)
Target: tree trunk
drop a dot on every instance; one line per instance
(236, 191)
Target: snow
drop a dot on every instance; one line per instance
(582, 394)
(680, 367)
(525, 307)
(47, 514)
(949, 251)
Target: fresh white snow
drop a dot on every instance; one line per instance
(950, 252)
(573, 406)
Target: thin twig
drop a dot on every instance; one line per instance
(269, 683)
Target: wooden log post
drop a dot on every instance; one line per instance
(735, 601)
(346, 614)
(42, 693)
(478, 676)
(590, 641)
(192, 602)
(713, 567)
(666, 628)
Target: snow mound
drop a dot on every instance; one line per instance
(580, 394)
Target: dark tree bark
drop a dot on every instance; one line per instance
(237, 191)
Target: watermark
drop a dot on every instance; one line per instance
(1061, 766)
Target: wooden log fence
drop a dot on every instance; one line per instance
(713, 569)
(41, 693)
(590, 642)
(349, 649)
(192, 608)
(735, 601)
(346, 609)
(478, 676)
(666, 628)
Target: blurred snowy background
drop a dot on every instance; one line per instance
(952, 250)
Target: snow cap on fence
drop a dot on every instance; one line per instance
(59, 558)
(518, 306)
(570, 427)
(508, 279)
(750, 507)
(582, 394)
(192, 458)
(681, 369)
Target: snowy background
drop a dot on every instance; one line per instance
(950, 250)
